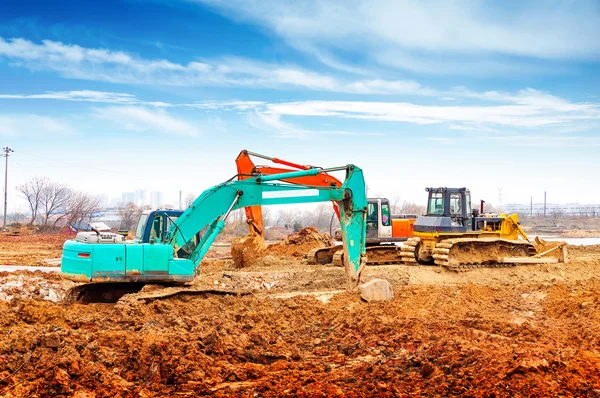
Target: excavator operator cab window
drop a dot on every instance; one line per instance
(436, 203)
(386, 220)
(372, 216)
(139, 232)
(156, 232)
(455, 204)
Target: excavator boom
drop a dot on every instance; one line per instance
(247, 169)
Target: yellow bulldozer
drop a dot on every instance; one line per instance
(453, 235)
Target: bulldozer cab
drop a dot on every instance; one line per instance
(454, 203)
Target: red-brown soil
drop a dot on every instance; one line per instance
(524, 331)
(30, 249)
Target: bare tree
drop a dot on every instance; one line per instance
(189, 199)
(33, 191)
(266, 215)
(320, 217)
(17, 217)
(55, 199)
(412, 208)
(129, 214)
(81, 207)
(285, 218)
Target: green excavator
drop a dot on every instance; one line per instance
(172, 253)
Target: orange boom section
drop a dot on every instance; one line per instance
(247, 169)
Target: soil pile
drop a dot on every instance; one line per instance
(251, 249)
(247, 249)
(300, 243)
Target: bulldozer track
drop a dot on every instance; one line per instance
(408, 251)
(442, 253)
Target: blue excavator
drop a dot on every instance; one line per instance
(171, 245)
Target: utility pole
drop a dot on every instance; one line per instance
(7, 151)
(180, 208)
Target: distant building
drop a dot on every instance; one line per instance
(156, 199)
(140, 197)
(127, 197)
(569, 209)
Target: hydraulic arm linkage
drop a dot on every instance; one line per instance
(155, 262)
(247, 169)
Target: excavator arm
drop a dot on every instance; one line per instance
(247, 169)
(212, 207)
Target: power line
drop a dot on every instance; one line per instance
(7, 151)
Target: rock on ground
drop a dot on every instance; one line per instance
(376, 290)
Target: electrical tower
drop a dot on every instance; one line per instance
(7, 152)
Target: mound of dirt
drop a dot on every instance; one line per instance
(247, 249)
(300, 243)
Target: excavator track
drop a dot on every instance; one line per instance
(465, 254)
(323, 255)
(376, 255)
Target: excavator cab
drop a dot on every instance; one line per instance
(379, 221)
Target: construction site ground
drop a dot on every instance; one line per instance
(282, 327)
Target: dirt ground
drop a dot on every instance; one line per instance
(30, 249)
(503, 332)
(581, 234)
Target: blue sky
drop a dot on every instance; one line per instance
(115, 96)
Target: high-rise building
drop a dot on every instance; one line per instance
(156, 199)
(127, 197)
(140, 197)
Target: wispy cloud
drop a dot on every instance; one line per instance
(529, 108)
(87, 96)
(273, 124)
(76, 62)
(463, 37)
(137, 118)
(24, 125)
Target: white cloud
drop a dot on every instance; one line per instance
(272, 123)
(528, 108)
(20, 125)
(136, 118)
(86, 96)
(458, 37)
(73, 61)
